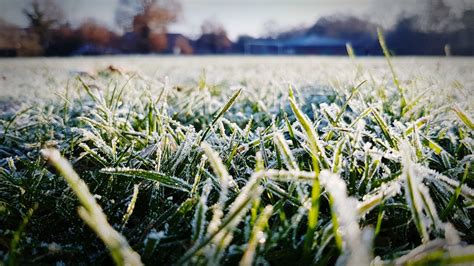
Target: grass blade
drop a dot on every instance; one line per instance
(412, 192)
(317, 152)
(165, 180)
(238, 208)
(344, 211)
(282, 146)
(13, 252)
(221, 113)
(385, 129)
(131, 206)
(92, 213)
(394, 74)
(257, 236)
(464, 117)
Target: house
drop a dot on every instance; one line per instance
(93, 49)
(213, 43)
(7, 49)
(9, 40)
(16, 41)
(310, 44)
(178, 44)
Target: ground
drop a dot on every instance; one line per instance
(221, 160)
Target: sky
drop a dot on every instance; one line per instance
(250, 17)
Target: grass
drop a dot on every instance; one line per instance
(91, 212)
(123, 169)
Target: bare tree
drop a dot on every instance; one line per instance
(148, 20)
(209, 26)
(438, 16)
(44, 15)
(271, 29)
(147, 15)
(213, 39)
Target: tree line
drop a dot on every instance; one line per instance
(145, 23)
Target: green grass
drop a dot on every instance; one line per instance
(366, 171)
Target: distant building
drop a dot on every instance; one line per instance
(9, 40)
(311, 44)
(93, 49)
(7, 49)
(15, 41)
(131, 43)
(178, 44)
(213, 43)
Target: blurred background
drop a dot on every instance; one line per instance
(276, 27)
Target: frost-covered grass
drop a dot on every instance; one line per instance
(252, 161)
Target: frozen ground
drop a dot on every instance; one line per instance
(41, 77)
(356, 165)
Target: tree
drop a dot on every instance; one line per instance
(213, 39)
(271, 29)
(148, 15)
(432, 30)
(94, 33)
(345, 27)
(157, 42)
(148, 21)
(212, 27)
(182, 46)
(43, 16)
(64, 41)
(435, 16)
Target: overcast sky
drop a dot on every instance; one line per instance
(237, 16)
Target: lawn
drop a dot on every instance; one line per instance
(228, 160)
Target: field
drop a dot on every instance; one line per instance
(228, 160)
